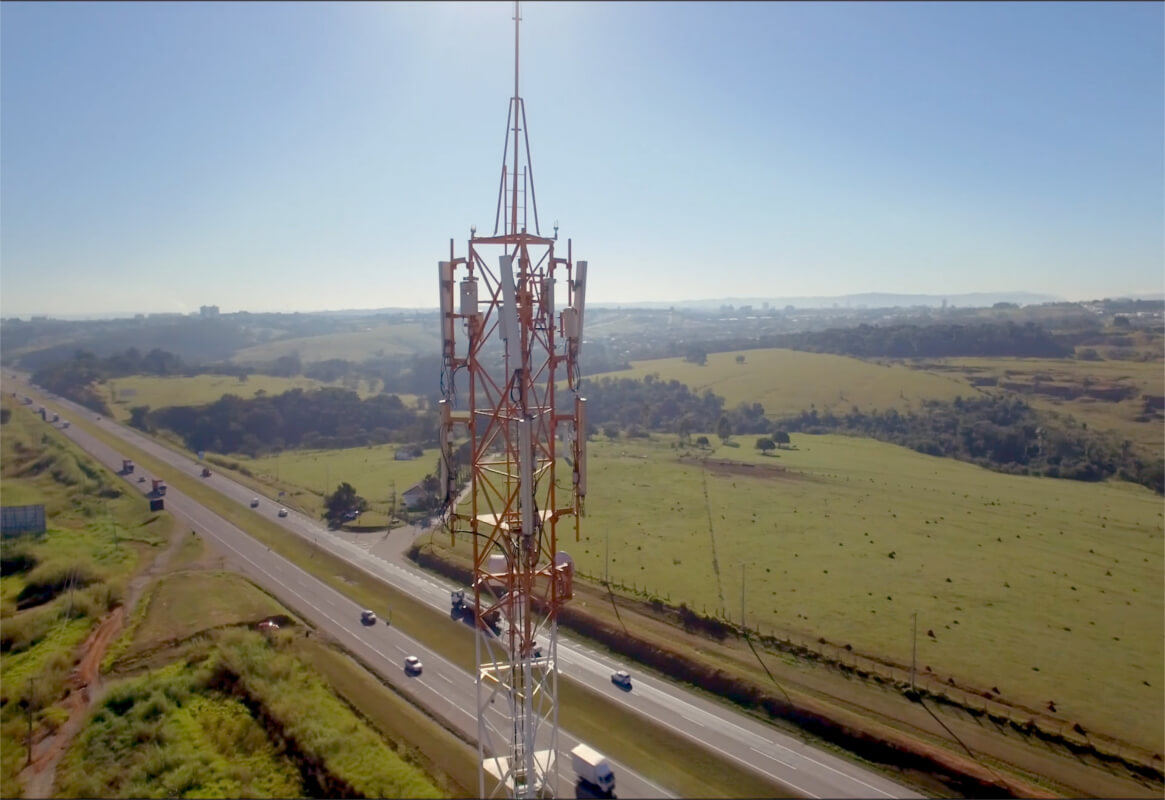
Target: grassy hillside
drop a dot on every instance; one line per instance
(393, 339)
(1108, 395)
(191, 676)
(233, 714)
(55, 588)
(158, 392)
(1043, 588)
(790, 381)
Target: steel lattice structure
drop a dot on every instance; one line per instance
(519, 433)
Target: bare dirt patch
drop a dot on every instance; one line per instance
(769, 472)
(84, 685)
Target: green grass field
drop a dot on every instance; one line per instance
(304, 474)
(186, 603)
(158, 392)
(789, 381)
(392, 339)
(1047, 589)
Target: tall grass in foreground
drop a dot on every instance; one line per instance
(239, 717)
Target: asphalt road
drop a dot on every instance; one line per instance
(450, 691)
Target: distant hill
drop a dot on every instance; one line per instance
(868, 299)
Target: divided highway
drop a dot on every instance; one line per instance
(449, 691)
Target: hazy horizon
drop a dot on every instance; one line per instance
(311, 157)
(702, 304)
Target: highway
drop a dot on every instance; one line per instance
(449, 691)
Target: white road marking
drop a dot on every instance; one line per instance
(774, 758)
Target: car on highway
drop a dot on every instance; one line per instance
(368, 617)
(283, 512)
(413, 665)
(254, 502)
(621, 679)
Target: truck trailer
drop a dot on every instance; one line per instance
(592, 768)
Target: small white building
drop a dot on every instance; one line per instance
(413, 496)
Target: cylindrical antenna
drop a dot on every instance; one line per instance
(514, 193)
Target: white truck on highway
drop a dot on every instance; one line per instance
(592, 768)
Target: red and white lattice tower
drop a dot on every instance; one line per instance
(511, 328)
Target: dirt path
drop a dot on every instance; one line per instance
(84, 684)
(84, 688)
(712, 534)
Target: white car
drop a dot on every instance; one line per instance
(254, 502)
(621, 679)
(283, 512)
(413, 665)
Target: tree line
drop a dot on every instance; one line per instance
(1026, 340)
(75, 378)
(997, 431)
(1001, 432)
(325, 418)
(637, 406)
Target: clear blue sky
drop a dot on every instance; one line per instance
(302, 156)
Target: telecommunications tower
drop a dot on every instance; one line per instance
(512, 418)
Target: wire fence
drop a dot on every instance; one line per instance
(927, 682)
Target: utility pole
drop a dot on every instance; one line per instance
(31, 684)
(607, 557)
(914, 651)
